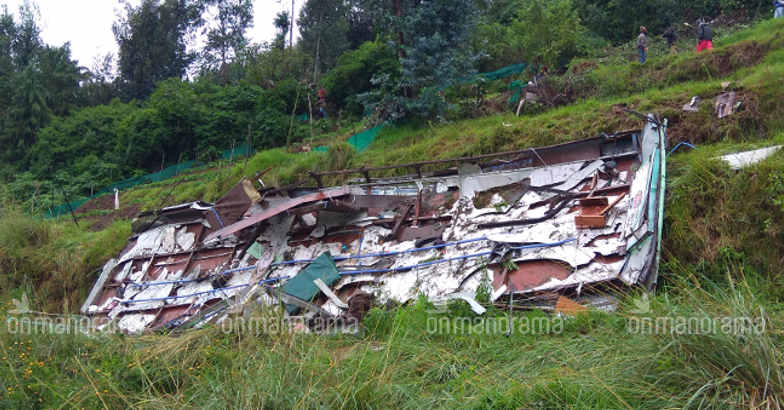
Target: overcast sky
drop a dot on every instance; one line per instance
(87, 24)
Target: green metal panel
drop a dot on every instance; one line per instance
(302, 286)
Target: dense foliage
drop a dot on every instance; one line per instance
(618, 20)
(67, 128)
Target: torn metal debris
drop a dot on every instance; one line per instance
(565, 220)
(743, 159)
(727, 104)
(692, 105)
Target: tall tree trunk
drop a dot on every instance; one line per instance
(316, 60)
(291, 29)
(398, 13)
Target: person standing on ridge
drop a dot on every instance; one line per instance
(704, 36)
(778, 8)
(642, 44)
(670, 36)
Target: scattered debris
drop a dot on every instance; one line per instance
(743, 159)
(568, 306)
(506, 218)
(726, 104)
(692, 106)
(681, 144)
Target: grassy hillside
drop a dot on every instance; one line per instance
(752, 60)
(722, 258)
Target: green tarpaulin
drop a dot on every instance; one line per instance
(302, 286)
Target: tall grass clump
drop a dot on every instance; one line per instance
(52, 261)
(724, 348)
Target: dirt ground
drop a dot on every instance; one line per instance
(105, 202)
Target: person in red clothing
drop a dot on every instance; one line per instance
(704, 36)
(322, 102)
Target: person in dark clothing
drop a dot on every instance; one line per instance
(704, 36)
(670, 36)
(642, 44)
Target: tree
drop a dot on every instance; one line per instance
(355, 70)
(226, 39)
(548, 31)
(99, 87)
(38, 81)
(27, 41)
(152, 40)
(282, 24)
(323, 28)
(431, 37)
(269, 66)
(365, 21)
(7, 38)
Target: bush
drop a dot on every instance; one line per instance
(354, 71)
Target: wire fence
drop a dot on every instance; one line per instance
(164, 174)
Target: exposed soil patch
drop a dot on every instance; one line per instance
(101, 222)
(99, 203)
(704, 127)
(104, 203)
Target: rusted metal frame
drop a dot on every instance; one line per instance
(335, 206)
(420, 164)
(416, 165)
(549, 214)
(411, 178)
(422, 219)
(399, 221)
(353, 203)
(202, 258)
(248, 222)
(538, 156)
(164, 255)
(199, 221)
(585, 194)
(410, 233)
(193, 251)
(374, 222)
(184, 269)
(222, 267)
(326, 235)
(378, 201)
(149, 266)
(417, 208)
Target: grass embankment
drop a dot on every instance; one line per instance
(751, 60)
(722, 260)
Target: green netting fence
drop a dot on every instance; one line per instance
(238, 151)
(161, 175)
(504, 72)
(166, 173)
(359, 141)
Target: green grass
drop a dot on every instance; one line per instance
(594, 360)
(722, 258)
